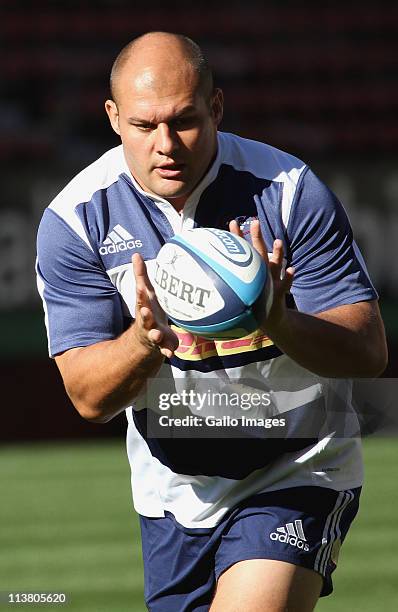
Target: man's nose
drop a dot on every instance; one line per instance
(166, 139)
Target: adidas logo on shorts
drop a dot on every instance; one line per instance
(118, 240)
(291, 533)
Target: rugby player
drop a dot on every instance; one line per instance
(234, 523)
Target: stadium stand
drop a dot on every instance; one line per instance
(328, 71)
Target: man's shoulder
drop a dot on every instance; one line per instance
(261, 159)
(99, 175)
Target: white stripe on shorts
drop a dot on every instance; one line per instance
(327, 541)
(336, 529)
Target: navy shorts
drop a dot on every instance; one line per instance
(303, 525)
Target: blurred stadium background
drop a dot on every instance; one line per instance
(316, 79)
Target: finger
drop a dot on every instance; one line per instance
(173, 341)
(167, 345)
(285, 284)
(147, 318)
(138, 266)
(235, 229)
(277, 253)
(288, 280)
(169, 339)
(276, 261)
(155, 336)
(166, 352)
(141, 298)
(139, 275)
(258, 240)
(141, 272)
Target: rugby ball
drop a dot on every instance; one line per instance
(212, 283)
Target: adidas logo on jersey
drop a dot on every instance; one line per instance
(291, 533)
(118, 240)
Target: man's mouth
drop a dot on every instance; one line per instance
(170, 171)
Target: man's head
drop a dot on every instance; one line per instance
(166, 112)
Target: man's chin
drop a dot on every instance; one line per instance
(172, 190)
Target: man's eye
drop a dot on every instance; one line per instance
(144, 127)
(182, 123)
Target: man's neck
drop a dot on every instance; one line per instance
(178, 203)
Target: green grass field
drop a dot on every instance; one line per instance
(67, 525)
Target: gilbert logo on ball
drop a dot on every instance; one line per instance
(212, 283)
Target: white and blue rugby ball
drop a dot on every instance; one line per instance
(211, 282)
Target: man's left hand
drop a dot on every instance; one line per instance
(282, 280)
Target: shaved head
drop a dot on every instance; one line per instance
(160, 53)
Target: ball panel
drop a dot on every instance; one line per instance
(177, 295)
(246, 286)
(189, 290)
(221, 243)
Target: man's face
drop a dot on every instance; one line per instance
(168, 130)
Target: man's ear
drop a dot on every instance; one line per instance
(217, 105)
(113, 114)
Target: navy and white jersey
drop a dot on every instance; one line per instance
(85, 242)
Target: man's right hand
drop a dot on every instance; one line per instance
(151, 327)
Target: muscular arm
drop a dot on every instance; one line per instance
(104, 378)
(347, 341)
